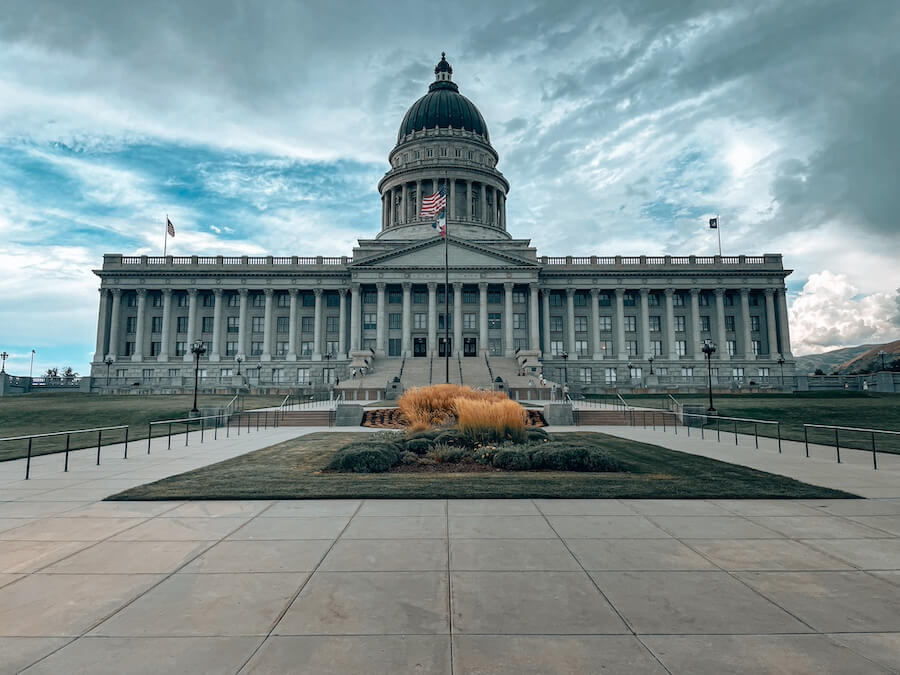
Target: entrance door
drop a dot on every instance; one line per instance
(420, 346)
(470, 346)
(442, 346)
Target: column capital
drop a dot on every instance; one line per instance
(695, 292)
(216, 292)
(644, 292)
(570, 292)
(432, 286)
(317, 292)
(595, 292)
(720, 292)
(140, 292)
(482, 285)
(268, 292)
(620, 292)
(243, 292)
(508, 285)
(380, 285)
(293, 292)
(341, 291)
(744, 292)
(770, 292)
(457, 286)
(115, 291)
(669, 292)
(354, 288)
(406, 285)
(192, 292)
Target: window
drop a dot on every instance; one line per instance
(603, 299)
(580, 300)
(519, 322)
(129, 348)
(470, 297)
(257, 324)
(306, 348)
(630, 324)
(309, 299)
(556, 299)
(259, 300)
(277, 375)
(495, 346)
(444, 154)
(470, 321)
(605, 348)
(609, 375)
(395, 297)
(206, 324)
(581, 347)
(652, 300)
(282, 324)
(441, 325)
(755, 346)
(631, 347)
(331, 324)
(302, 375)
(369, 320)
(728, 299)
(256, 348)
(180, 348)
(704, 324)
(763, 372)
(181, 324)
(130, 324)
(703, 300)
(231, 349)
(155, 299)
(731, 347)
(154, 348)
(420, 321)
(331, 347)
(494, 320)
(520, 343)
(495, 297)
(232, 324)
(181, 300)
(635, 372)
(556, 324)
(224, 372)
(729, 324)
(283, 300)
(754, 323)
(429, 152)
(662, 371)
(368, 343)
(394, 346)
(307, 324)
(737, 373)
(655, 324)
(584, 375)
(147, 373)
(281, 348)
(753, 300)
(656, 347)
(369, 297)
(395, 321)
(629, 299)
(234, 300)
(605, 323)
(687, 371)
(556, 347)
(679, 324)
(581, 324)
(332, 300)
(518, 297)
(206, 300)
(678, 300)
(680, 347)
(419, 297)
(173, 372)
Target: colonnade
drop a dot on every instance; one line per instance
(402, 204)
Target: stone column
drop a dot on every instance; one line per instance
(483, 318)
(771, 329)
(534, 321)
(747, 338)
(468, 200)
(645, 323)
(457, 318)
(354, 317)
(267, 327)
(720, 324)
(570, 322)
(242, 323)
(379, 319)
(292, 326)
(501, 202)
(389, 196)
(114, 323)
(508, 349)
(407, 319)
(139, 327)
(404, 204)
(451, 198)
(621, 351)
(670, 324)
(215, 351)
(100, 351)
(192, 323)
(342, 325)
(418, 198)
(695, 324)
(595, 324)
(783, 325)
(483, 213)
(317, 326)
(432, 318)
(545, 302)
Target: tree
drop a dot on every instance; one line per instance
(819, 371)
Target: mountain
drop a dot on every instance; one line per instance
(829, 361)
(871, 359)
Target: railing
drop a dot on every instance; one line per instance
(624, 405)
(837, 441)
(68, 435)
(659, 418)
(226, 260)
(261, 418)
(660, 260)
(487, 362)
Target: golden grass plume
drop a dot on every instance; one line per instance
(426, 407)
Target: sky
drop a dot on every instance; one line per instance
(263, 128)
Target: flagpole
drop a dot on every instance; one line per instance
(165, 234)
(446, 292)
(719, 233)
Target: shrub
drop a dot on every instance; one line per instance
(407, 457)
(362, 458)
(451, 437)
(491, 420)
(561, 457)
(426, 407)
(419, 445)
(445, 454)
(512, 460)
(536, 436)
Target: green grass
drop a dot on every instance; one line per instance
(291, 470)
(43, 413)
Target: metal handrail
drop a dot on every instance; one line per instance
(67, 434)
(718, 419)
(837, 442)
(624, 403)
(62, 433)
(866, 430)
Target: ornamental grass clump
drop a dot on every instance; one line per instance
(436, 406)
(491, 420)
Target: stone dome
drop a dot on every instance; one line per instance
(443, 107)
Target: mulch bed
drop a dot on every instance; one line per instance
(392, 418)
(458, 467)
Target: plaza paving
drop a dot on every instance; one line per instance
(486, 586)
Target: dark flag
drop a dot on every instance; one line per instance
(713, 223)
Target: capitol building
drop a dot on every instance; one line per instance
(596, 322)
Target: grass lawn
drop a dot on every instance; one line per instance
(43, 413)
(290, 470)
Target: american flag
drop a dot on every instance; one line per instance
(434, 204)
(170, 228)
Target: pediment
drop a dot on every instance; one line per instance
(430, 253)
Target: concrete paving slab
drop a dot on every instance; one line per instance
(70, 529)
(148, 656)
(326, 507)
(583, 507)
(751, 654)
(129, 557)
(369, 603)
(397, 527)
(40, 509)
(707, 602)
(675, 507)
(636, 554)
(386, 555)
(889, 524)
(324, 527)
(511, 555)
(19, 652)
(403, 507)
(606, 527)
(502, 527)
(761, 507)
(818, 527)
(65, 604)
(832, 602)
(182, 529)
(883, 648)
(552, 655)
(867, 554)
(30, 556)
(12, 523)
(206, 605)
(534, 603)
(492, 507)
(858, 507)
(120, 510)
(764, 554)
(297, 555)
(6, 579)
(338, 655)
(214, 509)
(713, 527)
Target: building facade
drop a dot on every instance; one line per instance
(606, 321)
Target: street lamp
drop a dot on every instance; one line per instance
(238, 359)
(3, 356)
(882, 354)
(198, 349)
(258, 373)
(650, 359)
(709, 348)
(781, 365)
(108, 361)
(565, 358)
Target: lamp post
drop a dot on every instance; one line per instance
(781, 365)
(258, 373)
(31, 366)
(108, 361)
(650, 359)
(565, 358)
(3, 356)
(882, 354)
(709, 348)
(198, 349)
(328, 357)
(238, 359)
